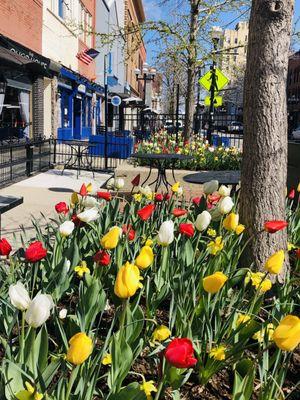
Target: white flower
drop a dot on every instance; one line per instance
(225, 205)
(203, 221)
(180, 191)
(89, 202)
(39, 310)
(19, 296)
(211, 149)
(210, 187)
(89, 215)
(166, 233)
(119, 183)
(66, 228)
(224, 191)
(146, 191)
(63, 313)
(110, 184)
(67, 264)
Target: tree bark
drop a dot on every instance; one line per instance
(191, 71)
(264, 166)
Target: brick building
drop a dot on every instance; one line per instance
(293, 91)
(22, 69)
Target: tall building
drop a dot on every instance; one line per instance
(293, 90)
(233, 57)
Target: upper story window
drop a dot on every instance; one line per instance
(235, 41)
(63, 8)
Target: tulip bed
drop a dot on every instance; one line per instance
(148, 299)
(205, 157)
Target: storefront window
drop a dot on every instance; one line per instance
(15, 118)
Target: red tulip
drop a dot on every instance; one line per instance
(83, 191)
(61, 207)
(179, 212)
(104, 195)
(76, 220)
(187, 229)
(298, 254)
(146, 212)
(167, 196)
(102, 257)
(5, 247)
(292, 193)
(35, 252)
(275, 226)
(180, 353)
(196, 201)
(127, 230)
(159, 197)
(136, 181)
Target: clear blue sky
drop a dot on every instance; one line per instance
(156, 12)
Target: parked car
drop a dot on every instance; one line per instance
(170, 126)
(296, 134)
(235, 127)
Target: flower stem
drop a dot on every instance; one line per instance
(71, 382)
(160, 388)
(22, 338)
(123, 317)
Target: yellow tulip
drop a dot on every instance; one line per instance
(265, 286)
(128, 281)
(218, 353)
(298, 188)
(274, 263)
(231, 222)
(74, 198)
(287, 334)
(149, 242)
(240, 229)
(213, 283)
(161, 333)
(145, 258)
(89, 187)
(81, 347)
(111, 239)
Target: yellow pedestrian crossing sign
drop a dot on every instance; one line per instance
(221, 80)
(218, 101)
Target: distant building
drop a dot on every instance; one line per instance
(157, 94)
(293, 90)
(233, 50)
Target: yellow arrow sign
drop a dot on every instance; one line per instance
(221, 80)
(218, 101)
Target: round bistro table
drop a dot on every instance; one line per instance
(223, 177)
(162, 162)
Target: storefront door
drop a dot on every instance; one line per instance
(77, 118)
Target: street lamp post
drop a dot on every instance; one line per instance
(198, 106)
(147, 74)
(216, 35)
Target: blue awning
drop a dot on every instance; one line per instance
(74, 76)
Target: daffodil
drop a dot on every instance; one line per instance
(137, 197)
(107, 359)
(265, 332)
(242, 319)
(211, 232)
(214, 247)
(175, 187)
(218, 353)
(82, 269)
(29, 394)
(148, 388)
(240, 229)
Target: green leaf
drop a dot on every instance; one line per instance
(130, 392)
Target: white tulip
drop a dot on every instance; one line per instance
(225, 205)
(180, 191)
(66, 228)
(210, 187)
(63, 313)
(145, 191)
(119, 183)
(89, 202)
(39, 310)
(224, 191)
(166, 233)
(67, 265)
(110, 184)
(203, 221)
(19, 296)
(89, 215)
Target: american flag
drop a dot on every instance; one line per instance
(84, 57)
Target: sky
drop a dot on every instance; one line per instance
(155, 11)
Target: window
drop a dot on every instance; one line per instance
(235, 41)
(61, 12)
(86, 26)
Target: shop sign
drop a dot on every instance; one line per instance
(81, 88)
(29, 56)
(116, 101)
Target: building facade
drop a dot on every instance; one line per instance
(293, 91)
(23, 69)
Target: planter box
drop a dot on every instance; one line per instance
(117, 147)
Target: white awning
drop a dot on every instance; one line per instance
(137, 99)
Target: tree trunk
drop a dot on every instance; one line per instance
(191, 71)
(264, 166)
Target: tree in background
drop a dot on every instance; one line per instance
(264, 165)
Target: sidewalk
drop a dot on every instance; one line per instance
(41, 192)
